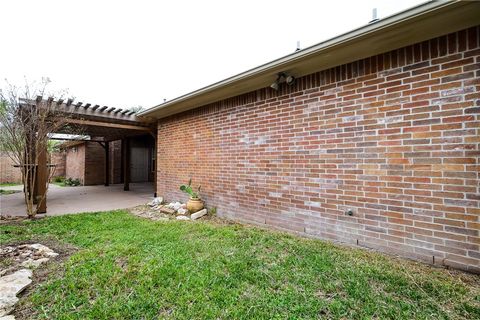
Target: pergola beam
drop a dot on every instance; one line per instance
(79, 139)
(108, 125)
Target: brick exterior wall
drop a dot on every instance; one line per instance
(94, 164)
(8, 173)
(75, 162)
(394, 138)
(86, 162)
(59, 160)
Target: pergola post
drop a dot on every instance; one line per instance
(41, 181)
(155, 193)
(126, 163)
(107, 163)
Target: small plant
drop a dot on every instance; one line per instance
(189, 190)
(213, 211)
(58, 179)
(72, 182)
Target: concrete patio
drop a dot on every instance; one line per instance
(67, 200)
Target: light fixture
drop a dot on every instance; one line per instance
(274, 86)
(290, 80)
(282, 77)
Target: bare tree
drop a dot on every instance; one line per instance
(26, 122)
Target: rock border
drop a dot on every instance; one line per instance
(18, 276)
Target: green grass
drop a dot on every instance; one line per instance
(6, 192)
(9, 184)
(130, 268)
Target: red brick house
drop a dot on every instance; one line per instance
(375, 143)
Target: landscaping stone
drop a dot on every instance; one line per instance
(10, 317)
(167, 210)
(182, 211)
(198, 214)
(44, 250)
(155, 202)
(174, 205)
(183, 218)
(17, 275)
(33, 264)
(10, 286)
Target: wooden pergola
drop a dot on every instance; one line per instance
(102, 124)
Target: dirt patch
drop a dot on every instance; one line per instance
(6, 219)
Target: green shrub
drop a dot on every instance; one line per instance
(59, 179)
(72, 182)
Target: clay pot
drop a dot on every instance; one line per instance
(194, 205)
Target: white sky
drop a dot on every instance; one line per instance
(130, 53)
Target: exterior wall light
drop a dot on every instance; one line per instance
(282, 77)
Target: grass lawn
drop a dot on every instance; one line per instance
(6, 192)
(9, 184)
(130, 268)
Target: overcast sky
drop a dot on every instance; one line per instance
(131, 53)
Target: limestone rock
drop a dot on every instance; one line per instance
(174, 205)
(198, 214)
(10, 286)
(182, 211)
(32, 264)
(167, 210)
(155, 202)
(43, 249)
(183, 218)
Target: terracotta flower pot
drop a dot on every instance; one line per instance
(194, 205)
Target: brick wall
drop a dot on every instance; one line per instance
(59, 160)
(8, 173)
(394, 138)
(75, 162)
(86, 162)
(94, 164)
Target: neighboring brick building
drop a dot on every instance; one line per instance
(393, 137)
(8, 173)
(11, 174)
